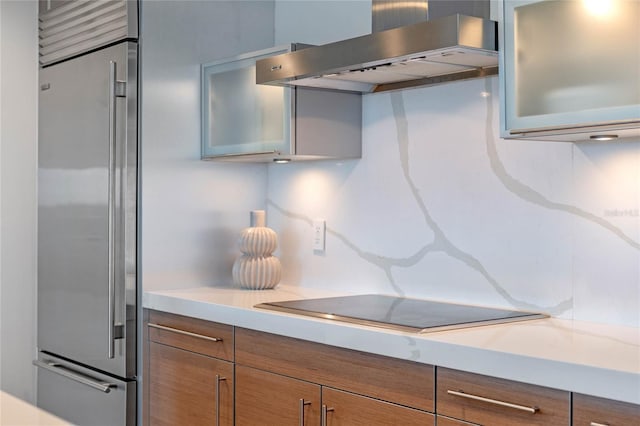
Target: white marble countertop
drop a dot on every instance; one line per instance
(16, 412)
(590, 358)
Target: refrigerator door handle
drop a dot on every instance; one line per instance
(111, 208)
(116, 89)
(80, 378)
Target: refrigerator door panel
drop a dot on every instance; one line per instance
(87, 180)
(82, 396)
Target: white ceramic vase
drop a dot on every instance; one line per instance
(257, 268)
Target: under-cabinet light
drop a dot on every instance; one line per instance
(603, 137)
(281, 160)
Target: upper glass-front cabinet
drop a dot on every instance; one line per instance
(239, 117)
(245, 121)
(570, 69)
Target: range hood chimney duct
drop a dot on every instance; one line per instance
(388, 14)
(413, 43)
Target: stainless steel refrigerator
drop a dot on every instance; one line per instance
(87, 226)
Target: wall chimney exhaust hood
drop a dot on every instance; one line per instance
(433, 51)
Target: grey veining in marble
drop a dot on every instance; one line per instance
(527, 193)
(441, 242)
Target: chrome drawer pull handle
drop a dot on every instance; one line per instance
(323, 414)
(301, 411)
(531, 410)
(80, 378)
(186, 333)
(598, 424)
(218, 380)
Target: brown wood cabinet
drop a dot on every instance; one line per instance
(200, 372)
(269, 399)
(592, 411)
(341, 387)
(491, 401)
(190, 371)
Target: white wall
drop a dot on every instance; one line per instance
(325, 21)
(192, 210)
(18, 136)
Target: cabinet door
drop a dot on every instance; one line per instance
(188, 388)
(570, 64)
(240, 116)
(269, 399)
(591, 411)
(347, 409)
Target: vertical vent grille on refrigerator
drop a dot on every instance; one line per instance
(67, 29)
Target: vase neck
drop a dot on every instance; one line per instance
(258, 218)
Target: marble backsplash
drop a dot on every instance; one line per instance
(441, 207)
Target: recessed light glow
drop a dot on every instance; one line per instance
(599, 7)
(603, 137)
(281, 160)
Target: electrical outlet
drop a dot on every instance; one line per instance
(319, 231)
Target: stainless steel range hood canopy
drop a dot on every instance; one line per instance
(438, 50)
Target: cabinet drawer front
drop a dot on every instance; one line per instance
(268, 399)
(589, 410)
(191, 334)
(487, 400)
(346, 409)
(182, 388)
(390, 379)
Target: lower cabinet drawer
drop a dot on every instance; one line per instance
(341, 408)
(592, 411)
(191, 334)
(490, 401)
(399, 381)
(448, 421)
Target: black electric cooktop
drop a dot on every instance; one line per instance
(399, 313)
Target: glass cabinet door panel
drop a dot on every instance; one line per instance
(239, 116)
(570, 62)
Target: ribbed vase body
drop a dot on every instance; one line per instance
(257, 269)
(257, 273)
